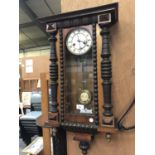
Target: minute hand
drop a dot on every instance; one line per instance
(84, 42)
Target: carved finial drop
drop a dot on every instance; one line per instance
(84, 146)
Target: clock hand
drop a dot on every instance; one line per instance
(84, 42)
(79, 42)
(78, 38)
(81, 48)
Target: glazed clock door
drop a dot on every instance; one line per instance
(78, 83)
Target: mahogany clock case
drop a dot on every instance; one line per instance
(66, 67)
(106, 15)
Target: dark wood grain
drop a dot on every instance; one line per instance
(106, 74)
(63, 23)
(95, 97)
(82, 17)
(53, 71)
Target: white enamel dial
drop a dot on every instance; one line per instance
(79, 41)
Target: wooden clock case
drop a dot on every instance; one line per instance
(58, 27)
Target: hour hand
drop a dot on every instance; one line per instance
(81, 48)
(84, 42)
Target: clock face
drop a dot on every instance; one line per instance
(79, 41)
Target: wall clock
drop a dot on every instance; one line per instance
(73, 69)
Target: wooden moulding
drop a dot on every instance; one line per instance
(81, 17)
(78, 118)
(84, 141)
(53, 116)
(109, 121)
(52, 122)
(82, 137)
(107, 130)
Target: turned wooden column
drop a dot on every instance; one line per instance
(106, 73)
(58, 134)
(51, 29)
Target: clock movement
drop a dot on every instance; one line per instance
(74, 75)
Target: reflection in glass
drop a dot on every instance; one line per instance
(78, 83)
